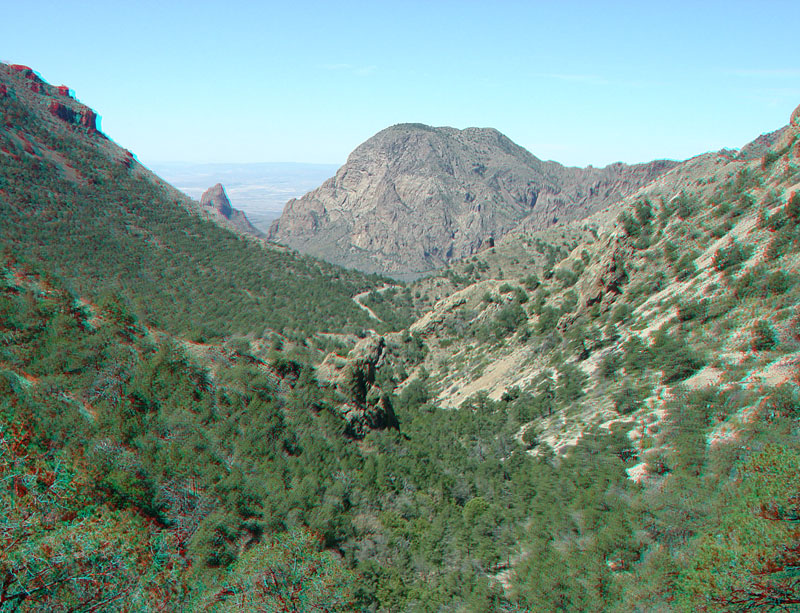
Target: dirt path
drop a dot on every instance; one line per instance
(359, 297)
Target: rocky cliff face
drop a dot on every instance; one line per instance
(413, 197)
(28, 86)
(215, 201)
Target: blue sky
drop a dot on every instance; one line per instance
(578, 82)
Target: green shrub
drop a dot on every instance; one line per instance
(567, 278)
(610, 364)
(531, 437)
(781, 244)
(671, 252)
(508, 319)
(531, 282)
(780, 282)
(722, 229)
(684, 205)
(728, 259)
(685, 267)
(693, 309)
(548, 320)
(637, 355)
(621, 313)
(571, 381)
(628, 398)
(763, 336)
(676, 359)
(784, 401)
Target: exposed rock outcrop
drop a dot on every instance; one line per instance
(761, 145)
(64, 113)
(412, 198)
(366, 406)
(604, 282)
(27, 71)
(82, 116)
(128, 160)
(89, 120)
(58, 100)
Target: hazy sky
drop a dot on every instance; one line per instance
(578, 82)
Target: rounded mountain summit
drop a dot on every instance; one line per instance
(414, 197)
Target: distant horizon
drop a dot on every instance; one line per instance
(577, 83)
(240, 163)
(260, 189)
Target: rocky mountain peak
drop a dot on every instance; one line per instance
(215, 198)
(414, 197)
(215, 202)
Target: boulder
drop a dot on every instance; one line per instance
(360, 419)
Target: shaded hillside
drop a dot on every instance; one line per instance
(140, 463)
(413, 197)
(76, 205)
